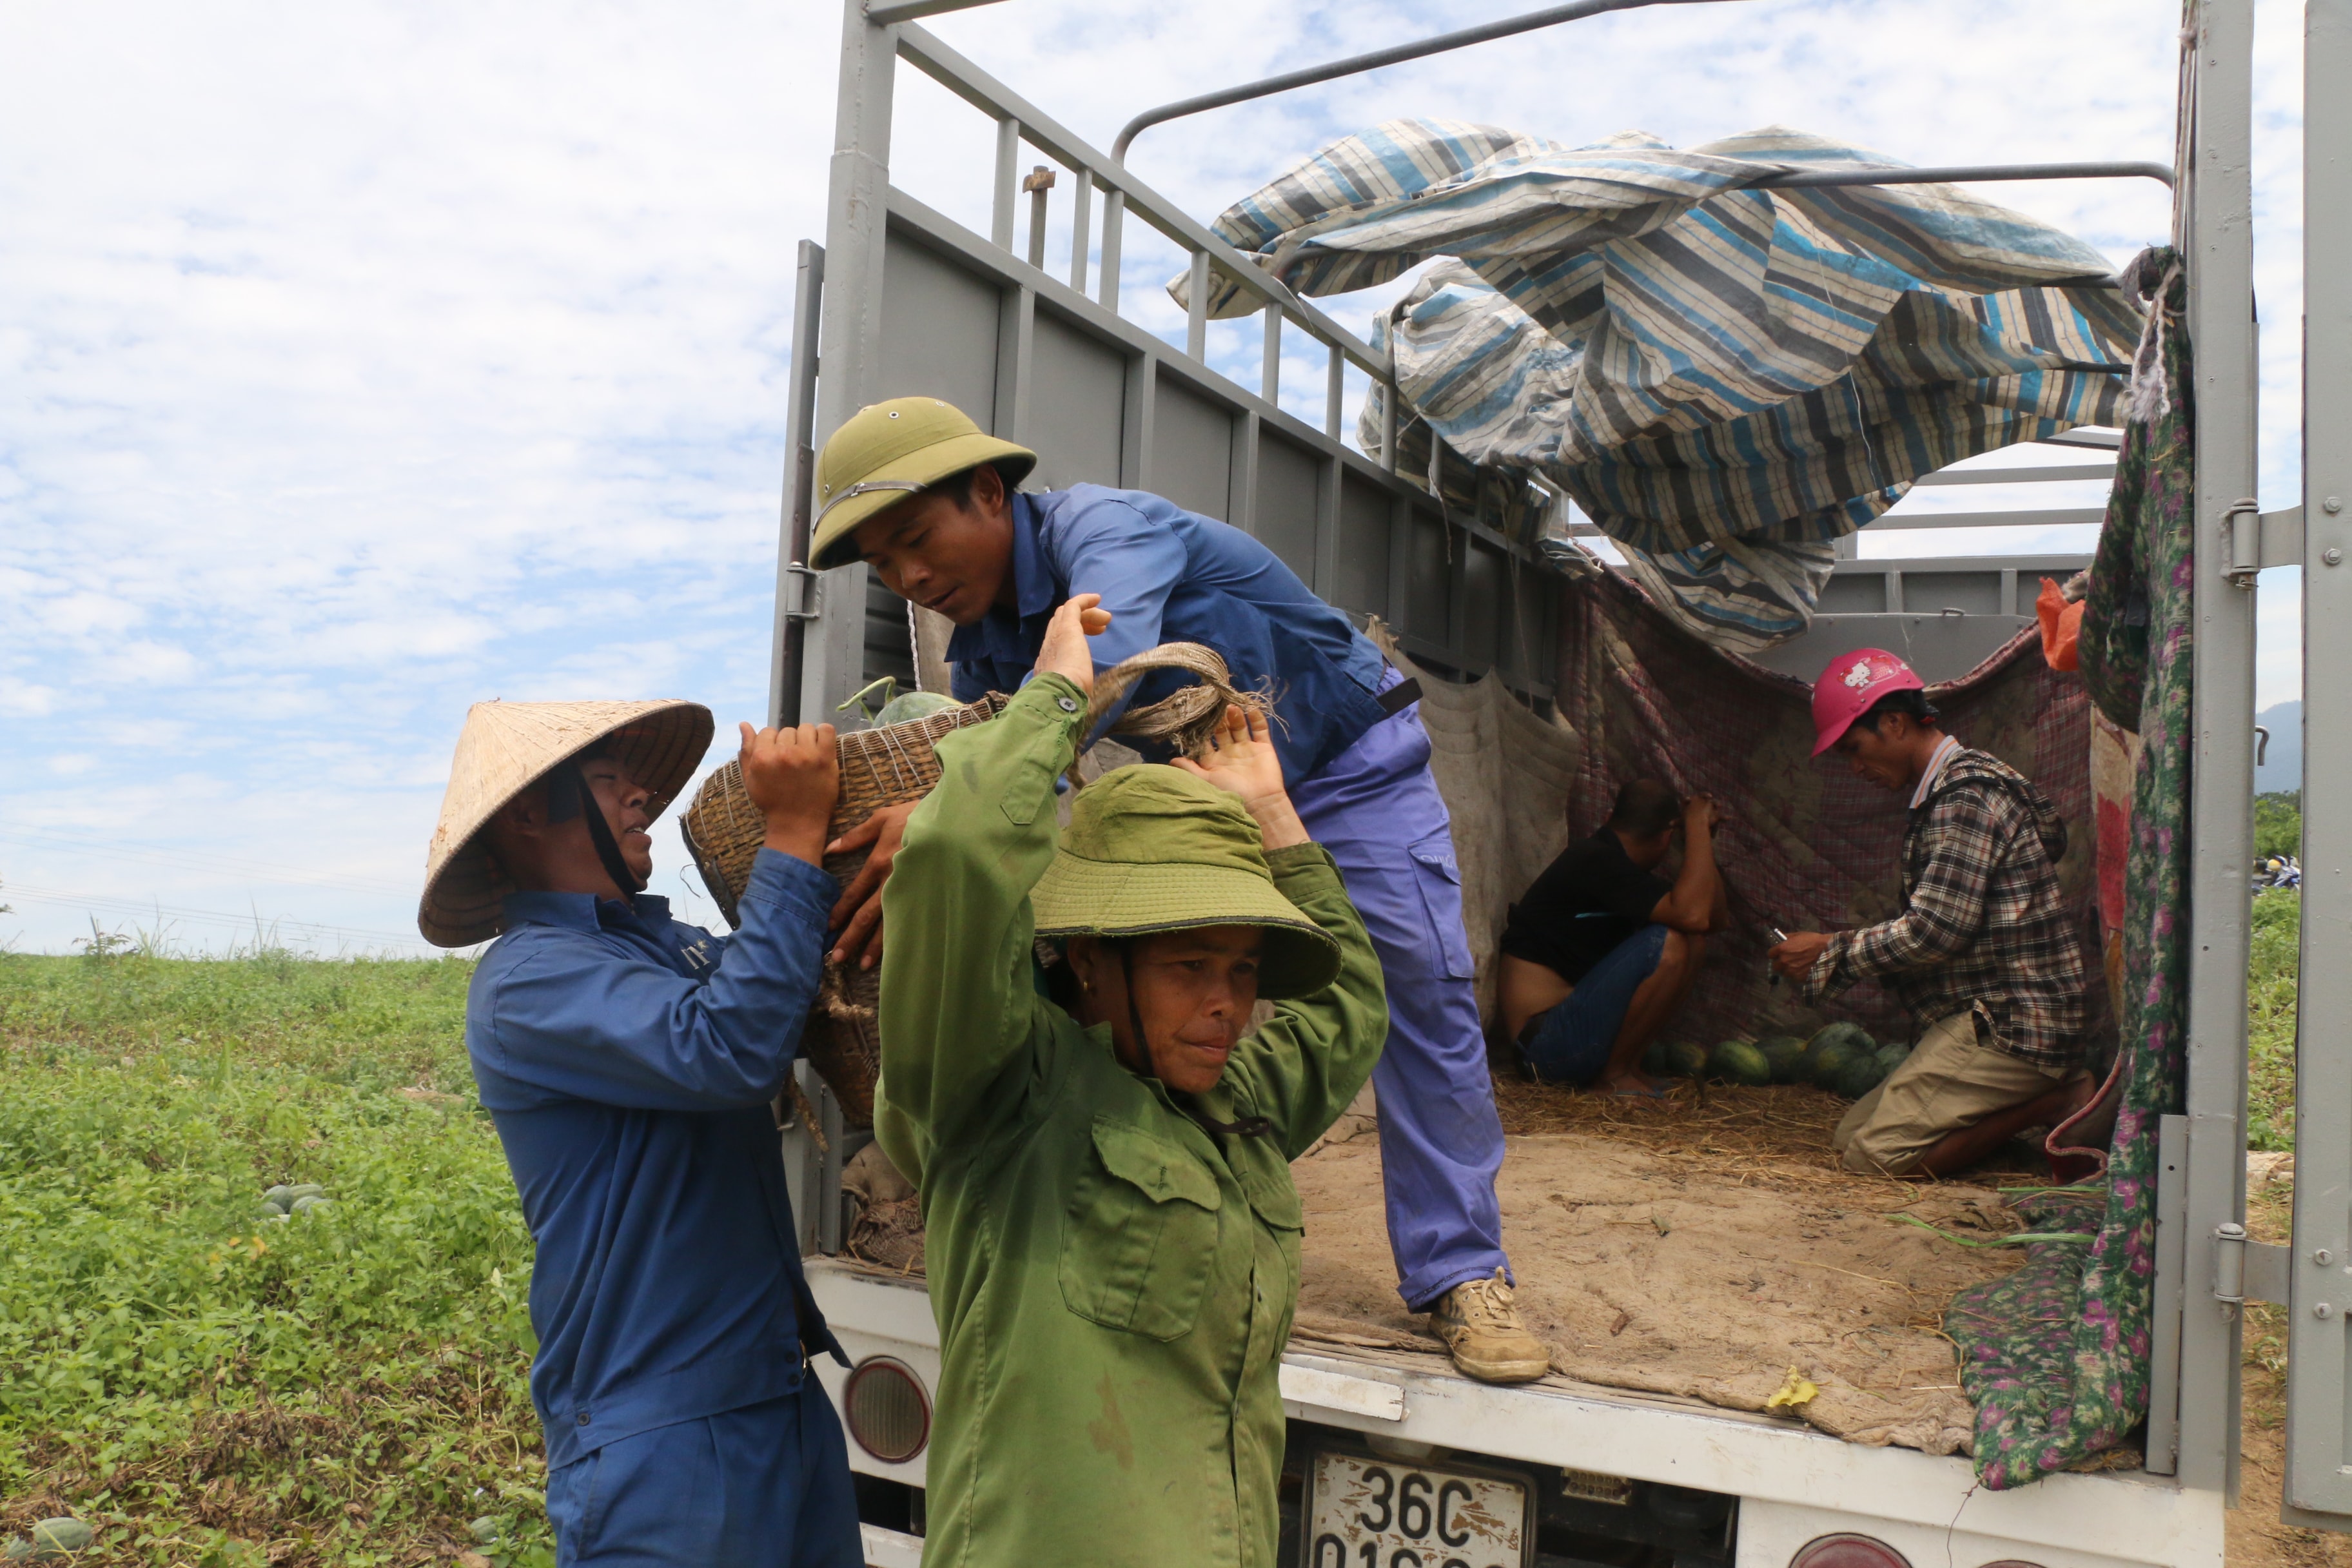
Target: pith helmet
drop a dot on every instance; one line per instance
(507, 747)
(1151, 848)
(887, 451)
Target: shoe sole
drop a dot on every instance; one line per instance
(1504, 1372)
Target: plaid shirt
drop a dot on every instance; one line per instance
(1984, 928)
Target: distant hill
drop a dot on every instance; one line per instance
(2282, 762)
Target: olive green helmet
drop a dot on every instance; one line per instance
(887, 451)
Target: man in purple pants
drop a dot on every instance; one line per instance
(917, 490)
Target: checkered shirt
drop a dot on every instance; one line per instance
(1984, 928)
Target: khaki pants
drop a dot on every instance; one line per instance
(1949, 1082)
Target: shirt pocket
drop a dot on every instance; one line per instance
(1438, 878)
(1139, 1241)
(1275, 1201)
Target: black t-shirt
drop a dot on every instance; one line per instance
(1589, 899)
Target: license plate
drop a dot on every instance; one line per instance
(1367, 1512)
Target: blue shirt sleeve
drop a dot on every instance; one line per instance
(576, 1019)
(1110, 548)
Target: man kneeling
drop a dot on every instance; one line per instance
(1111, 1232)
(1601, 951)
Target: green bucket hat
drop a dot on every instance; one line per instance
(887, 451)
(1152, 849)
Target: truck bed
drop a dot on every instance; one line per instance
(1705, 1248)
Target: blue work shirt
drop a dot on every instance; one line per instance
(1169, 575)
(629, 1060)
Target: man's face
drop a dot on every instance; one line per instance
(1651, 853)
(1882, 756)
(627, 812)
(945, 556)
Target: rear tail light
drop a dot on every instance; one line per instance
(1847, 1551)
(889, 1413)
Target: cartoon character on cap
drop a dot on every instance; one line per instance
(1849, 685)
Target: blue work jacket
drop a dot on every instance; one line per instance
(1169, 575)
(629, 1060)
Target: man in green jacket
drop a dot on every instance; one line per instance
(1111, 1232)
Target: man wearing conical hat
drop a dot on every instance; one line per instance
(629, 1060)
(1110, 1228)
(914, 488)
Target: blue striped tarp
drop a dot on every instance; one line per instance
(1726, 379)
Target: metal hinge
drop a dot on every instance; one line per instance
(808, 592)
(2244, 521)
(2247, 1271)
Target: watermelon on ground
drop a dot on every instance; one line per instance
(1830, 1059)
(1783, 1053)
(1686, 1059)
(1853, 1036)
(1738, 1061)
(1654, 1060)
(1860, 1075)
(1892, 1055)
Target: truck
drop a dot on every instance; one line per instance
(901, 299)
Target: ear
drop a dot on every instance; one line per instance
(988, 493)
(1084, 956)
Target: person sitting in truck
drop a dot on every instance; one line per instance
(914, 488)
(1984, 954)
(1111, 1233)
(628, 1061)
(1599, 952)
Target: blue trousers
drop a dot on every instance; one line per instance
(763, 1487)
(1377, 809)
(1571, 1043)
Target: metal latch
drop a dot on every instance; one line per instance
(808, 592)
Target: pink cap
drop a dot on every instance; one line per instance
(1849, 685)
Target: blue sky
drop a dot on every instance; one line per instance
(361, 363)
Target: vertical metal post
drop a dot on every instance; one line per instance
(1269, 375)
(1082, 194)
(833, 652)
(1008, 158)
(1039, 180)
(1196, 318)
(1388, 426)
(2221, 327)
(2320, 1362)
(2163, 1453)
(799, 477)
(1114, 230)
(1335, 391)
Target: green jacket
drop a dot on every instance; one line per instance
(1113, 1284)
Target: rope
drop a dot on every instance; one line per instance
(1183, 720)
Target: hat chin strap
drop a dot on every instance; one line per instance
(571, 793)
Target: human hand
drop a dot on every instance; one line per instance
(793, 776)
(1796, 956)
(1240, 758)
(857, 913)
(1701, 815)
(1065, 650)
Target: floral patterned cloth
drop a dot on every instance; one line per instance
(2055, 1356)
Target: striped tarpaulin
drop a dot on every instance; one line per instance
(1726, 379)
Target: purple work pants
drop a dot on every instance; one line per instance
(1378, 811)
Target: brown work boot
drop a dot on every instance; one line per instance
(1482, 1329)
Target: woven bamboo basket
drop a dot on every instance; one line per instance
(879, 767)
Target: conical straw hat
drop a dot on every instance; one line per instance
(507, 747)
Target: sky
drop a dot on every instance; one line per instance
(361, 363)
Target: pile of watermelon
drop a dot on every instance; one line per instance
(1841, 1058)
(285, 1201)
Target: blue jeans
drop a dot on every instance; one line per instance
(1571, 1043)
(1376, 808)
(763, 1487)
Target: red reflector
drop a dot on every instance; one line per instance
(1847, 1551)
(885, 1408)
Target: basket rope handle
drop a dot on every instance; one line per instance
(1185, 719)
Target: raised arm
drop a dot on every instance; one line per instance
(956, 993)
(1696, 902)
(1946, 909)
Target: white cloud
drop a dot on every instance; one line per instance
(359, 363)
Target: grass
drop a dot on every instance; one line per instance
(212, 1387)
(2270, 1021)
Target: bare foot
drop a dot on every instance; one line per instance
(1634, 1085)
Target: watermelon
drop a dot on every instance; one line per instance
(296, 1193)
(280, 1197)
(912, 705)
(1738, 1061)
(1853, 1036)
(309, 1200)
(1891, 1056)
(1654, 1060)
(1829, 1059)
(1782, 1053)
(1685, 1059)
(1858, 1076)
(55, 1535)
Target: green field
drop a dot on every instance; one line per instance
(348, 1386)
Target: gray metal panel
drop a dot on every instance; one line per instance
(2163, 1449)
(2222, 323)
(2318, 1484)
(1077, 404)
(1863, 594)
(1940, 647)
(1970, 593)
(1428, 602)
(1192, 462)
(1289, 479)
(1481, 634)
(938, 337)
(1362, 567)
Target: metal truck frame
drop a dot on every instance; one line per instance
(901, 298)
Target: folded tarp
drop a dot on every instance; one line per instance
(1726, 379)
